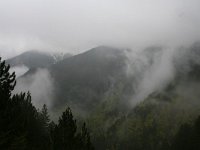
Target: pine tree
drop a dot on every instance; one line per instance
(65, 132)
(20, 122)
(85, 139)
(188, 137)
(23, 127)
(45, 116)
(7, 84)
(7, 81)
(52, 127)
(45, 131)
(66, 137)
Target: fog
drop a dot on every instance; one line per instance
(76, 25)
(19, 70)
(152, 68)
(40, 85)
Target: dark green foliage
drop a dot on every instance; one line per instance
(25, 121)
(188, 137)
(64, 134)
(7, 81)
(85, 139)
(23, 127)
(45, 116)
(66, 137)
(20, 126)
(150, 125)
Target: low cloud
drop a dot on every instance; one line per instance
(40, 84)
(76, 26)
(19, 70)
(154, 68)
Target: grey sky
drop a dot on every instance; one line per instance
(77, 25)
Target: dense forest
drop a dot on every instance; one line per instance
(23, 127)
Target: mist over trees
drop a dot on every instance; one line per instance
(22, 126)
(101, 94)
(100, 74)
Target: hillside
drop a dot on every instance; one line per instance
(31, 59)
(101, 86)
(84, 78)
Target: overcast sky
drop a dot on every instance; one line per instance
(77, 25)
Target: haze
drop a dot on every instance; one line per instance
(76, 25)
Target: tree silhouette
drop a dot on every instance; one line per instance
(23, 127)
(7, 81)
(20, 125)
(188, 137)
(65, 132)
(85, 139)
(66, 136)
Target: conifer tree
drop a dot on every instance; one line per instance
(188, 137)
(23, 127)
(65, 132)
(20, 126)
(66, 137)
(45, 116)
(7, 81)
(85, 139)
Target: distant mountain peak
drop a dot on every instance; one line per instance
(31, 59)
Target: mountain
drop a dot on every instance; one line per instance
(192, 67)
(96, 85)
(31, 59)
(83, 79)
(80, 81)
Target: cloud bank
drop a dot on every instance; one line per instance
(77, 25)
(40, 85)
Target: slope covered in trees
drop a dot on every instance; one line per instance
(24, 127)
(96, 84)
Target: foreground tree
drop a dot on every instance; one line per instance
(65, 132)
(23, 127)
(20, 123)
(188, 137)
(85, 139)
(66, 137)
(7, 82)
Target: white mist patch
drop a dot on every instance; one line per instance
(152, 70)
(158, 75)
(19, 70)
(40, 85)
